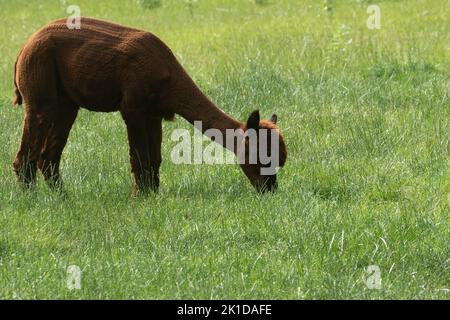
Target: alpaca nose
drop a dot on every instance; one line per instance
(270, 184)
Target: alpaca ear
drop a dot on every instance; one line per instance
(253, 120)
(274, 118)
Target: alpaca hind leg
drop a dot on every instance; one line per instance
(37, 83)
(35, 128)
(55, 142)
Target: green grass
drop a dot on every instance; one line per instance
(365, 114)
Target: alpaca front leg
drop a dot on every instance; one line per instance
(139, 152)
(154, 135)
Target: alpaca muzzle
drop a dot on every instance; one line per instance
(269, 184)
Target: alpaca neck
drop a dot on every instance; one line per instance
(194, 106)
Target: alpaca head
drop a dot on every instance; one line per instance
(263, 152)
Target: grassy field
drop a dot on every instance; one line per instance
(366, 117)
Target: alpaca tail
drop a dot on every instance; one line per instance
(18, 99)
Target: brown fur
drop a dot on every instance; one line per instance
(106, 67)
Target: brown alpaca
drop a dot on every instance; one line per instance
(107, 67)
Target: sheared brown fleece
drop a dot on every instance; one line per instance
(108, 67)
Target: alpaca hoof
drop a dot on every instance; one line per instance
(143, 191)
